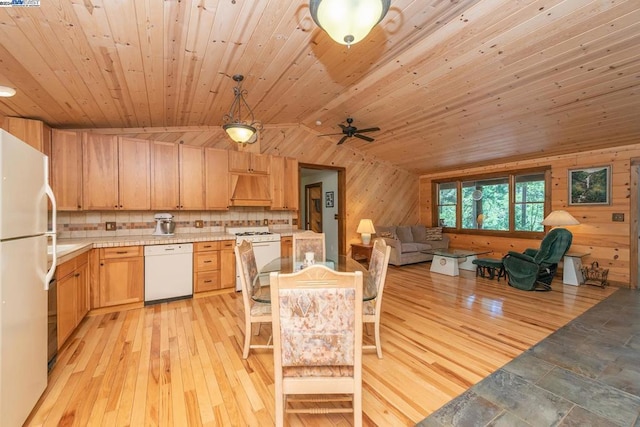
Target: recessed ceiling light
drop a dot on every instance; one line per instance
(6, 91)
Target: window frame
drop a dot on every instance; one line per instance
(511, 177)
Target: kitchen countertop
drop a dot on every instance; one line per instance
(70, 248)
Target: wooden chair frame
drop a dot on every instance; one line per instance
(317, 277)
(383, 251)
(306, 238)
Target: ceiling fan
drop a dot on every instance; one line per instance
(350, 131)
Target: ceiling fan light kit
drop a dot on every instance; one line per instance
(348, 21)
(241, 131)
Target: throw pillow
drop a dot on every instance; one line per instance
(404, 234)
(434, 233)
(384, 231)
(387, 234)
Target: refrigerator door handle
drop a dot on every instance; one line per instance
(53, 232)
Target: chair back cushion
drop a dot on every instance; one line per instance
(309, 241)
(554, 246)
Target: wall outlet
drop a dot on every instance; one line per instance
(199, 223)
(617, 217)
(110, 226)
(265, 222)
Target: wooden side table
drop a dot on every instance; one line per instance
(361, 252)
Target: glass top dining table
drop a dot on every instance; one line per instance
(286, 265)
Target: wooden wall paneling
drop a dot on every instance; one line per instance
(605, 240)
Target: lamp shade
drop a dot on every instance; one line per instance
(239, 132)
(365, 228)
(559, 218)
(348, 21)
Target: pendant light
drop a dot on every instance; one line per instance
(241, 131)
(348, 21)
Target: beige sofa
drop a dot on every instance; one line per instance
(407, 241)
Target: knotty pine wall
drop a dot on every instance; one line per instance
(607, 242)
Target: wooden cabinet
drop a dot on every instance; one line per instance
(115, 173)
(72, 296)
(34, 132)
(216, 173)
(99, 172)
(284, 183)
(213, 265)
(177, 176)
(246, 162)
(66, 169)
(286, 247)
(121, 277)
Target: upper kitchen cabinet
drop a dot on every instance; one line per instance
(177, 176)
(284, 183)
(34, 132)
(66, 169)
(115, 173)
(246, 162)
(216, 172)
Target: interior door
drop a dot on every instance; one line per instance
(313, 202)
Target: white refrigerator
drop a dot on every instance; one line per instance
(24, 277)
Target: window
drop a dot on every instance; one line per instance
(509, 203)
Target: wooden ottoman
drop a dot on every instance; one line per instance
(488, 266)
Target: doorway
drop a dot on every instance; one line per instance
(322, 199)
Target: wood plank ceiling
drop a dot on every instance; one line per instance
(451, 83)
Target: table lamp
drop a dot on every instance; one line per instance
(365, 228)
(560, 218)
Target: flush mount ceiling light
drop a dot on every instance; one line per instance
(7, 92)
(241, 131)
(348, 21)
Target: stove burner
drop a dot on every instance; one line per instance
(253, 233)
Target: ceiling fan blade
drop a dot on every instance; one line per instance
(368, 130)
(330, 134)
(366, 138)
(342, 126)
(344, 138)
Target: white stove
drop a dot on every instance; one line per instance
(266, 246)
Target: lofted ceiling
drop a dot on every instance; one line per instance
(451, 83)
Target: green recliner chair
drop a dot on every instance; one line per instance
(534, 269)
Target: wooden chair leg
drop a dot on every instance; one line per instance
(247, 339)
(378, 343)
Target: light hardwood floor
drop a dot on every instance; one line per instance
(180, 363)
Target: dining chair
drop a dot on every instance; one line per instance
(371, 310)
(317, 341)
(254, 312)
(308, 241)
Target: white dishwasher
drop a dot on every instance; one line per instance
(168, 272)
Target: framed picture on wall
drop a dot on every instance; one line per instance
(590, 186)
(328, 199)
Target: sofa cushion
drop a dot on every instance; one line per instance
(408, 247)
(404, 234)
(439, 244)
(423, 246)
(419, 233)
(388, 232)
(434, 233)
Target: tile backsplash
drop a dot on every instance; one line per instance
(132, 223)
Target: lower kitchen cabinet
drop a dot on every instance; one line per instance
(72, 295)
(286, 247)
(213, 265)
(121, 276)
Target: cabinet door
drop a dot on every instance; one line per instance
(82, 292)
(191, 177)
(67, 311)
(134, 174)
(164, 176)
(277, 179)
(121, 281)
(100, 172)
(260, 163)
(286, 247)
(66, 169)
(216, 178)
(291, 187)
(239, 161)
(227, 264)
(33, 132)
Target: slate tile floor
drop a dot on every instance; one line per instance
(585, 374)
